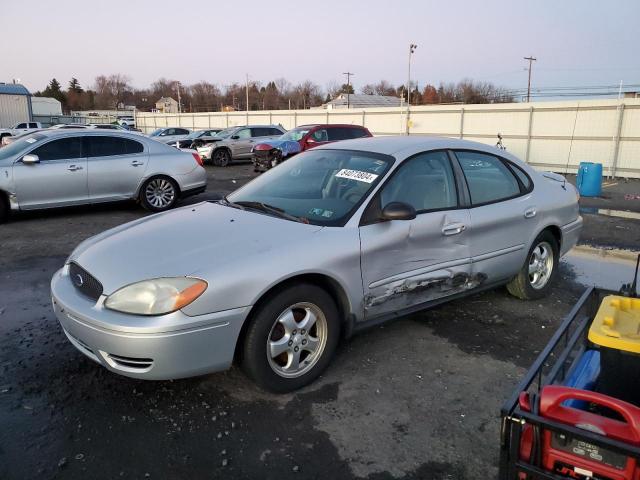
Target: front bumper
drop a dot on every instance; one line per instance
(152, 348)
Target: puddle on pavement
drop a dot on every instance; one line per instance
(610, 213)
(601, 270)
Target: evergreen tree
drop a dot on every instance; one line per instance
(74, 86)
(55, 91)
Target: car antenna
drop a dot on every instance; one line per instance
(631, 289)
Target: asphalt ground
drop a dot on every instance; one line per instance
(417, 398)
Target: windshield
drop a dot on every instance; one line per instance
(226, 132)
(321, 186)
(296, 134)
(156, 132)
(18, 145)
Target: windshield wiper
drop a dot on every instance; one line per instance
(265, 207)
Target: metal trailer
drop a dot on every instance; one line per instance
(15, 105)
(555, 364)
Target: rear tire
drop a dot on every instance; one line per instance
(221, 157)
(291, 338)
(538, 273)
(159, 194)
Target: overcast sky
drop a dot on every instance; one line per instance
(577, 42)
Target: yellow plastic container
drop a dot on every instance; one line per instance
(617, 324)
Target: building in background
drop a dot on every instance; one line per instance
(362, 101)
(166, 105)
(45, 106)
(15, 104)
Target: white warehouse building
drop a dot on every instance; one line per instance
(15, 104)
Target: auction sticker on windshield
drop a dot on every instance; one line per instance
(357, 175)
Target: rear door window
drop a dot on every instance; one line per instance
(260, 132)
(355, 132)
(33, 125)
(488, 178)
(338, 133)
(69, 148)
(181, 131)
(111, 146)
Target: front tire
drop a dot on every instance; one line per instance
(4, 209)
(291, 339)
(539, 270)
(221, 157)
(159, 194)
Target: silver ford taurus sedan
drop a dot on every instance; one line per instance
(334, 240)
(57, 168)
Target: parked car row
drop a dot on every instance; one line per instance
(51, 168)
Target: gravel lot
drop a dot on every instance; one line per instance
(416, 398)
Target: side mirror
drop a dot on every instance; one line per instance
(310, 140)
(235, 137)
(30, 159)
(398, 211)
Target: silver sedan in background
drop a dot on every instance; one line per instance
(335, 239)
(54, 168)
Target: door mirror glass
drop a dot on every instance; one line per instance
(398, 211)
(30, 159)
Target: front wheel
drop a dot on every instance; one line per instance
(291, 339)
(221, 157)
(537, 274)
(159, 194)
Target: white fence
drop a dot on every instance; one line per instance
(549, 135)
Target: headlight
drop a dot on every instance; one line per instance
(157, 296)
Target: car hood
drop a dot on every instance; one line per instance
(286, 146)
(184, 241)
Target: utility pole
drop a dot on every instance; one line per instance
(412, 48)
(531, 60)
(179, 104)
(247, 94)
(349, 75)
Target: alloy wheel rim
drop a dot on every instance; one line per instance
(221, 158)
(297, 340)
(540, 265)
(160, 193)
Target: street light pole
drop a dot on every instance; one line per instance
(412, 48)
(531, 60)
(349, 75)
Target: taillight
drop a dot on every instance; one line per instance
(198, 158)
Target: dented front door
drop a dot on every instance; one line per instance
(411, 262)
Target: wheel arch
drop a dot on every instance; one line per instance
(326, 282)
(555, 231)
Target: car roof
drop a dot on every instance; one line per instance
(64, 132)
(405, 146)
(331, 125)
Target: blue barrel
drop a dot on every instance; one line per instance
(589, 179)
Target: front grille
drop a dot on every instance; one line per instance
(84, 282)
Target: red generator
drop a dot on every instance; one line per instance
(554, 427)
(563, 454)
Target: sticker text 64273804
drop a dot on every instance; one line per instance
(357, 175)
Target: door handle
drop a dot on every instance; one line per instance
(453, 229)
(137, 163)
(73, 168)
(530, 213)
